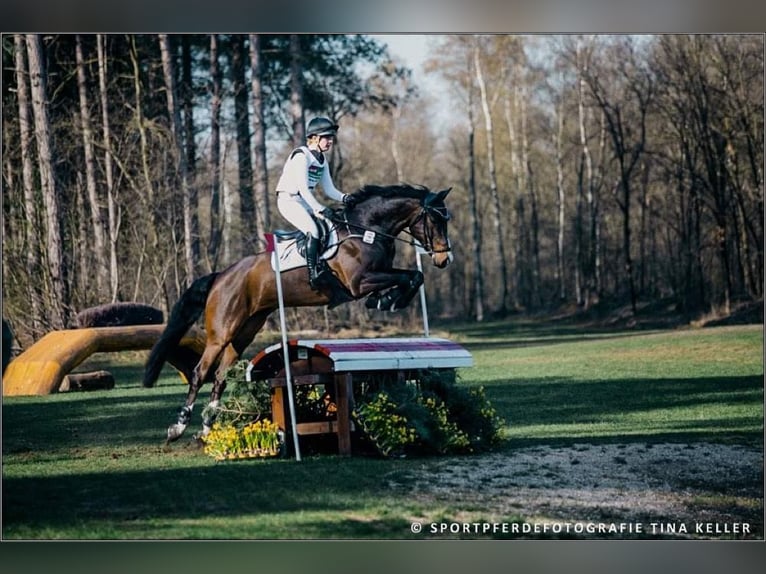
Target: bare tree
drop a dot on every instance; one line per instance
(296, 91)
(625, 105)
(31, 223)
(186, 95)
(244, 158)
(171, 92)
(56, 265)
(260, 166)
(512, 112)
(558, 140)
(588, 260)
(214, 88)
(97, 219)
(496, 211)
(111, 197)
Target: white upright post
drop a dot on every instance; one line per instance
(283, 328)
(418, 252)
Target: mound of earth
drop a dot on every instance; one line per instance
(698, 490)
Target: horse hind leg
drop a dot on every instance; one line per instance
(209, 357)
(231, 353)
(210, 413)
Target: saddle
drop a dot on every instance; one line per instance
(327, 239)
(291, 250)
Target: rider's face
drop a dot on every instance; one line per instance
(325, 142)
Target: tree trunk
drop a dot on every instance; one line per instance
(518, 184)
(111, 199)
(561, 201)
(150, 243)
(97, 219)
(56, 265)
(187, 98)
(32, 230)
(527, 282)
(396, 113)
(496, 212)
(588, 264)
(478, 273)
(186, 93)
(229, 215)
(296, 90)
(260, 167)
(143, 141)
(215, 154)
(244, 160)
(174, 113)
(595, 213)
(535, 296)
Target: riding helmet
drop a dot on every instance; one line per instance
(321, 127)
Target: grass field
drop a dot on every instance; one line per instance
(91, 465)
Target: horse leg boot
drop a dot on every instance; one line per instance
(176, 430)
(312, 254)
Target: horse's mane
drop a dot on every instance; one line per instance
(388, 191)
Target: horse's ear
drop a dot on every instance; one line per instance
(443, 194)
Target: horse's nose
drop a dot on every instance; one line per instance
(441, 260)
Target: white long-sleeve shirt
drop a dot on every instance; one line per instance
(301, 174)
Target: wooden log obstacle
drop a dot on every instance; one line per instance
(341, 363)
(41, 369)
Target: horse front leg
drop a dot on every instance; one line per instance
(402, 285)
(409, 291)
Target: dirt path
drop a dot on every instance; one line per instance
(699, 490)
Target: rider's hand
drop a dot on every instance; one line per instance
(320, 213)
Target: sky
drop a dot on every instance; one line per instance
(413, 50)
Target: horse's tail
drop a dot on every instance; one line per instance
(183, 315)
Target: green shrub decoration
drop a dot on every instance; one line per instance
(381, 421)
(428, 414)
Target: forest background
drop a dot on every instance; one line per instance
(587, 171)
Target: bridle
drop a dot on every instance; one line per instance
(433, 213)
(427, 210)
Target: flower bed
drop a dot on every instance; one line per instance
(256, 440)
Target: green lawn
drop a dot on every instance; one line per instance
(91, 465)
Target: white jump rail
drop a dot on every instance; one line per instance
(388, 354)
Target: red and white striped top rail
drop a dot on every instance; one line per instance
(386, 354)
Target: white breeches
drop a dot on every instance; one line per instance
(297, 212)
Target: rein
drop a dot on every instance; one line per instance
(414, 241)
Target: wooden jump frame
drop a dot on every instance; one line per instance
(342, 362)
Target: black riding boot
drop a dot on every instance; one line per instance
(312, 251)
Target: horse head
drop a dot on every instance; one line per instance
(430, 229)
(395, 208)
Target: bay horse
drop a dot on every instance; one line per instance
(238, 300)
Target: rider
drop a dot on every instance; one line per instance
(306, 167)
